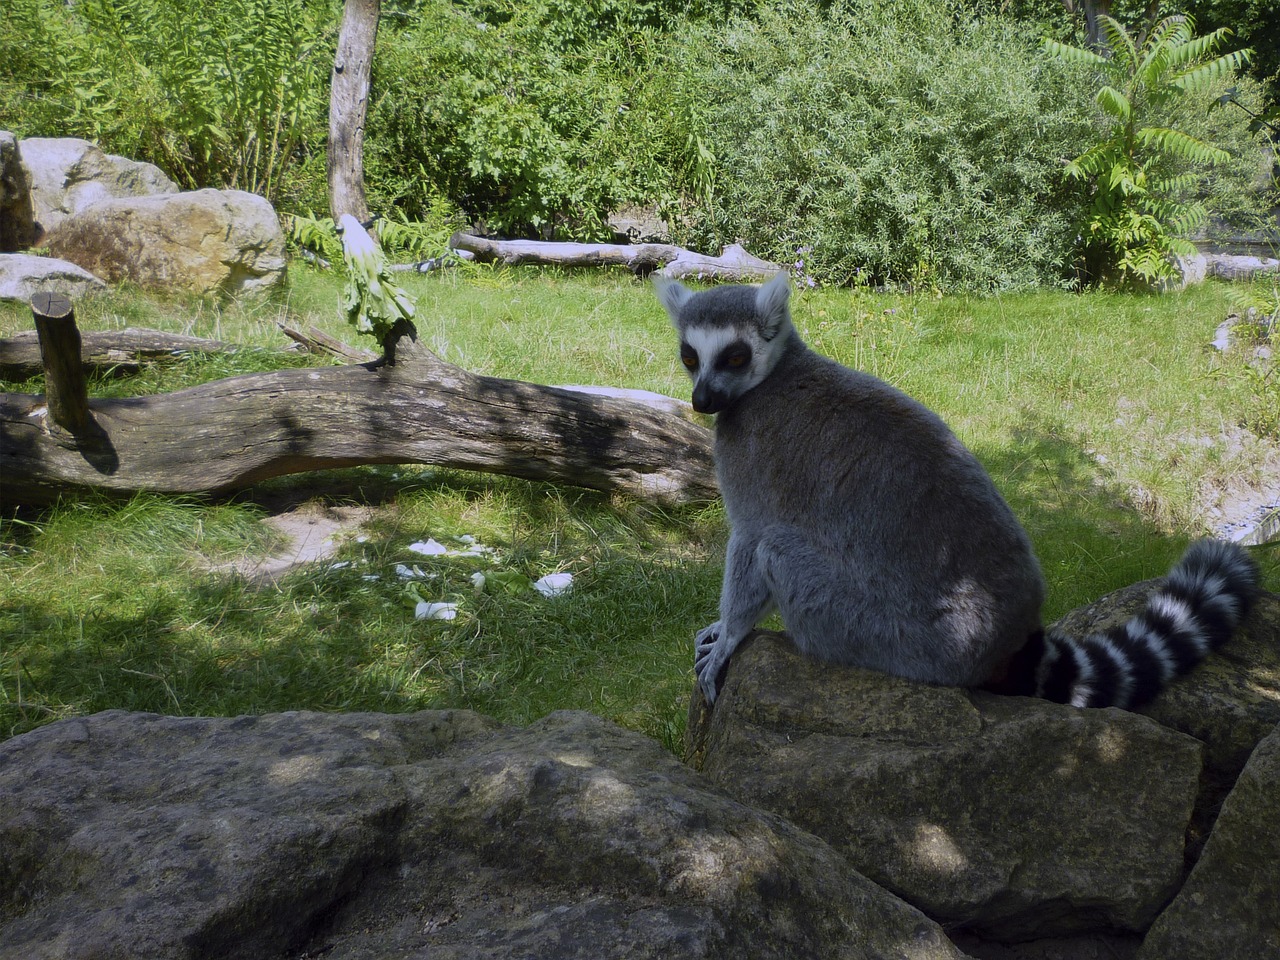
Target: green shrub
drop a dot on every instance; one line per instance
(233, 94)
(1141, 169)
(939, 163)
(523, 114)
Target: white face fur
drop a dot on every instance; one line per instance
(726, 359)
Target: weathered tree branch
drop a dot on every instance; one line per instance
(124, 350)
(226, 435)
(316, 340)
(642, 258)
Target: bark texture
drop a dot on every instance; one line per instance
(122, 351)
(348, 106)
(642, 258)
(229, 434)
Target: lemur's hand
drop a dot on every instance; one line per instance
(710, 659)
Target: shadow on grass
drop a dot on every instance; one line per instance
(335, 639)
(1089, 535)
(346, 639)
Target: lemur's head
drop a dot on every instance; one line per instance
(730, 337)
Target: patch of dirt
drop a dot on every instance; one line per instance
(1243, 508)
(306, 533)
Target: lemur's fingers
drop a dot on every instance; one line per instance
(705, 642)
(711, 674)
(710, 661)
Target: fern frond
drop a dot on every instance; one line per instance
(1206, 74)
(1093, 161)
(1178, 144)
(1196, 49)
(1164, 38)
(317, 234)
(1118, 39)
(1072, 54)
(1115, 103)
(1176, 184)
(1124, 179)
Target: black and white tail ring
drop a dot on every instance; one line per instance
(1193, 612)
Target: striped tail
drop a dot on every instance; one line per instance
(1204, 599)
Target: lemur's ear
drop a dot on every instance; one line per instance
(772, 309)
(672, 294)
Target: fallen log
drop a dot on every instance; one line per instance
(642, 258)
(226, 435)
(315, 340)
(102, 350)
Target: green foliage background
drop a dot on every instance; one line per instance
(785, 125)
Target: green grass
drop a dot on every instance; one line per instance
(1102, 417)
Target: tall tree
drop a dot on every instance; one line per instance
(348, 106)
(1093, 11)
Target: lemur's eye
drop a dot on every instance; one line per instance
(736, 361)
(690, 361)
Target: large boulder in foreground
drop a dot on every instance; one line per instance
(23, 276)
(206, 241)
(435, 834)
(1013, 817)
(1229, 908)
(68, 175)
(1229, 703)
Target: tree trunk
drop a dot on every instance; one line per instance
(348, 106)
(1093, 10)
(734, 263)
(226, 435)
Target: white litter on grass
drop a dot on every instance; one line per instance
(340, 566)
(554, 584)
(413, 573)
(434, 548)
(435, 611)
(477, 581)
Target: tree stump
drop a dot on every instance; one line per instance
(66, 392)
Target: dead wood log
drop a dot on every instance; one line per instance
(642, 258)
(315, 340)
(101, 350)
(229, 434)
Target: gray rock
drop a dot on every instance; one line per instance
(1229, 703)
(1229, 267)
(204, 241)
(1015, 817)
(1230, 906)
(639, 224)
(68, 175)
(17, 225)
(1190, 271)
(429, 835)
(23, 276)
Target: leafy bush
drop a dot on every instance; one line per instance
(1142, 169)
(233, 94)
(938, 164)
(520, 113)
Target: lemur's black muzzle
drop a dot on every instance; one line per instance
(709, 400)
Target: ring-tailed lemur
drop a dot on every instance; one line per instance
(882, 541)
